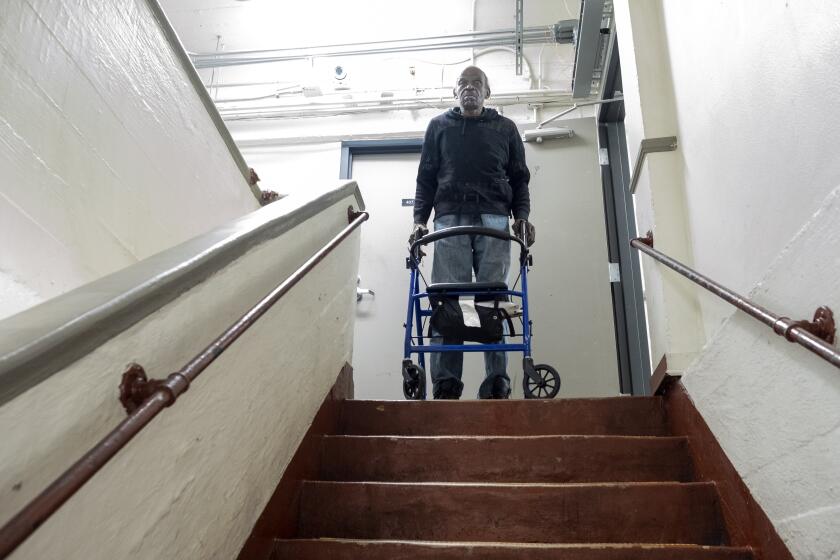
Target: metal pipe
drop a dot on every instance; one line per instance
(794, 331)
(513, 51)
(575, 106)
(27, 520)
(382, 104)
(345, 110)
(544, 29)
(232, 59)
(393, 50)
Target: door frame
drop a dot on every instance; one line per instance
(620, 213)
(629, 318)
(351, 148)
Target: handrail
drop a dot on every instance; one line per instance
(144, 399)
(817, 335)
(650, 146)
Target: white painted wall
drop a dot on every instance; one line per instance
(758, 116)
(16, 296)
(749, 89)
(193, 483)
(673, 310)
(754, 114)
(107, 154)
(772, 405)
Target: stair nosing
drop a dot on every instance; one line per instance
(504, 437)
(516, 544)
(656, 483)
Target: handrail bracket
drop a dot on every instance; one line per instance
(352, 214)
(647, 239)
(821, 326)
(136, 387)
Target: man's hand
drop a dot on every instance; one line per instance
(530, 231)
(418, 231)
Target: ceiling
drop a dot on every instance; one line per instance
(208, 26)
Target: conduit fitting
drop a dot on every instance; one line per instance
(821, 326)
(647, 239)
(352, 214)
(136, 387)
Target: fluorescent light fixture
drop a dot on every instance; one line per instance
(539, 134)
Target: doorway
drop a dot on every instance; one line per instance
(570, 288)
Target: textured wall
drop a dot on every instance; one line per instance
(757, 114)
(107, 154)
(674, 318)
(774, 406)
(193, 483)
(749, 88)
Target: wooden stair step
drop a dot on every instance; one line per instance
(644, 416)
(318, 549)
(638, 512)
(553, 458)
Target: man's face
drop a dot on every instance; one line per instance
(471, 90)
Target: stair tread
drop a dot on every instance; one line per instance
(419, 550)
(679, 512)
(546, 458)
(605, 416)
(458, 484)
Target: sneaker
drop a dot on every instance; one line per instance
(501, 389)
(446, 390)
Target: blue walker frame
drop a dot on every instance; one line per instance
(415, 312)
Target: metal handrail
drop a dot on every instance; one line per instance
(144, 399)
(817, 335)
(650, 146)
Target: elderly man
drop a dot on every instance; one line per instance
(472, 173)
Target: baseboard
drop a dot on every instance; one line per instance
(747, 523)
(280, 516)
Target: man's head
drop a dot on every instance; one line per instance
(471, 89)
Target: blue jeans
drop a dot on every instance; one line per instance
(455, 259)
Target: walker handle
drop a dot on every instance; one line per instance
(467, 230)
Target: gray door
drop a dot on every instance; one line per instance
(385, 180)
(570, 296)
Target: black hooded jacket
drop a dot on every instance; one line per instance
(472, 165)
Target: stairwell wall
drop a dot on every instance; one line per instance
(194, 481)
(107, 153)
(750, 91)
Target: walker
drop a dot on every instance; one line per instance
(473, 312)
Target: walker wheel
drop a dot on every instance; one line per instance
(544, 383)
(414, 382)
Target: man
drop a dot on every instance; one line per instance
(472, 173)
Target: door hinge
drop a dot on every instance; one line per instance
(603, 156)
(615, 272)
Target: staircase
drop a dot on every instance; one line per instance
(572, 479)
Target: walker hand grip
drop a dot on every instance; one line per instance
(467, 230)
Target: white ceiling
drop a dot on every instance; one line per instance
(231, 25)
